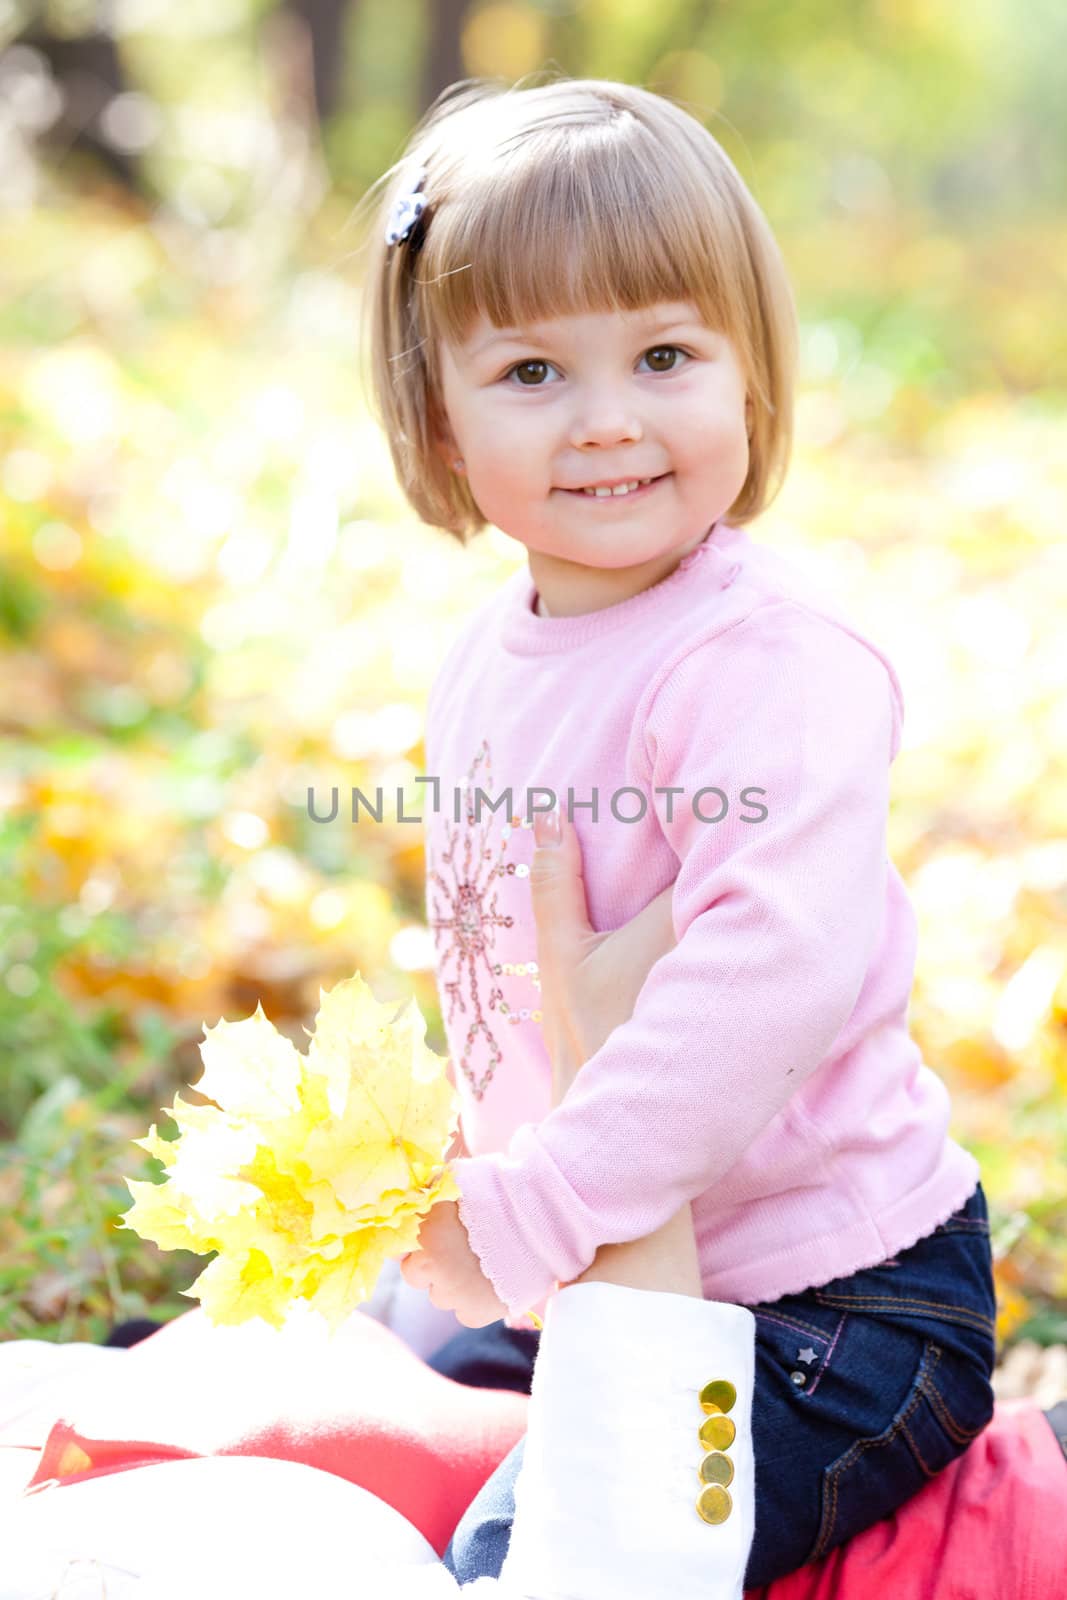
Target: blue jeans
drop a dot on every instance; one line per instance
(865, 1387)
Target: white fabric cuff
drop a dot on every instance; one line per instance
(606, 1499)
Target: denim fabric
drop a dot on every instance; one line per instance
(494, 1357)
(1057, 1421)
(865, 1387)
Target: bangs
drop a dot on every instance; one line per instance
(574, 226)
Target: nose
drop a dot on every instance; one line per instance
(604, 417)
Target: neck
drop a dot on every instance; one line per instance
(573, 590)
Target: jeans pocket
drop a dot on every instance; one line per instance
(948, 1404)
(942, 1287)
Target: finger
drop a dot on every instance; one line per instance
(471, 1318)
(414, 1269)
(557, 890)
(458, 1147)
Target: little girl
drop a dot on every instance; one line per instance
(582, 332)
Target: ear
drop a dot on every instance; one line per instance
(441, 437)
(445, 448)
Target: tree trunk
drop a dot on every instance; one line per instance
(443, 61)
(325, 22)
(89, 70)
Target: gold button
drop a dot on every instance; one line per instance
(717, 1433)
(719, 1395)
(714, 1504)
(717, 1468)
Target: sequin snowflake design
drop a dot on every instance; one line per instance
(465, 917)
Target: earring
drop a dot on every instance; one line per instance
(458, 464)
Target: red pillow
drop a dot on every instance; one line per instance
(361, 1406)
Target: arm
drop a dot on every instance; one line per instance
(776, 923)
(605, 1503)
(589, 984)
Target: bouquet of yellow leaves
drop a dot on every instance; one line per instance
(309, 1171)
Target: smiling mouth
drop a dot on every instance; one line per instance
(634, 489)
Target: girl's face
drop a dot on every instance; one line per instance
(606, 398)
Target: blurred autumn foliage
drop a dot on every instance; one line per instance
(212, 598)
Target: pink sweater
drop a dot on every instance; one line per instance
(767, 1073)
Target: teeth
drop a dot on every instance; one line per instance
(620, 488)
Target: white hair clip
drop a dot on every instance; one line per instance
(407, 209)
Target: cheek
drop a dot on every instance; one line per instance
(514, 435)
(712, 437)
(508, 450)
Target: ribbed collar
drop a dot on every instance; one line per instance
(523, 632)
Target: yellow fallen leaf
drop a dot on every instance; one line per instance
(310, 1171)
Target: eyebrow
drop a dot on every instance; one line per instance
(538, 335)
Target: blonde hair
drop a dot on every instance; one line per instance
(574, 196)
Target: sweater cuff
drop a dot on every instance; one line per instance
(610, 1476)
(520, 1245)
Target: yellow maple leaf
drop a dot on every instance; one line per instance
(310, 1171)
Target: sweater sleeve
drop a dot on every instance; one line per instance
(776, 907)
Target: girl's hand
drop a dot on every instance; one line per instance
(448, 1269)
(589, 981)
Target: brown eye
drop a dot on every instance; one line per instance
(662, 350)
(527, 367)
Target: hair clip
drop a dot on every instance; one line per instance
(407, 209)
